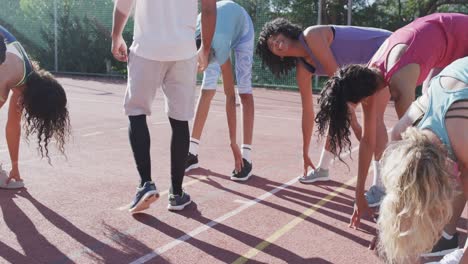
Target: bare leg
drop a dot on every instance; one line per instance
(203, 108)
(248, 117)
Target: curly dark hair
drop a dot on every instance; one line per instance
(352, 84)
(277, 65)
(45, 111)
(2, 49)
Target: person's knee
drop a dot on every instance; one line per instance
(208, 95)
(246, 99)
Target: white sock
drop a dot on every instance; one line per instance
(325, 159)
(446, 236)
(194, 146)
(246, 150)
(377, 177)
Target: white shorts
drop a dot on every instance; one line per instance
(243, 52)
(176, 78)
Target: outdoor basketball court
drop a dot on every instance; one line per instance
(75, 210)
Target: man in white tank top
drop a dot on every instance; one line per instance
(163, 54)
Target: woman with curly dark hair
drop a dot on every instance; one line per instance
(404, 61)
(36, 96)
(318, 50)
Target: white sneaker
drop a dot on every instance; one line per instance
(452, 258)
(12, 184)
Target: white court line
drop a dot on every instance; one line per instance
(160, 250)
(209, 225)
(93, 134)
(265, 116)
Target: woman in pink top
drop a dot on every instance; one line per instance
(403, 61)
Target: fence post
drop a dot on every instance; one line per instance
(350, 11)
(55, 37)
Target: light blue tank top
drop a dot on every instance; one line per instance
(441, 99)
(230, 22)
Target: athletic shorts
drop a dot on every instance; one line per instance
(177, 80)
(243, 52)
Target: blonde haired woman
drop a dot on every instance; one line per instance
(424, 201)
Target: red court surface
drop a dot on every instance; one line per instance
(74, 211)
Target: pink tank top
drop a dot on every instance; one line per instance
(434, 41)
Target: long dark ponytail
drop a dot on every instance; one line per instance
(352, 84)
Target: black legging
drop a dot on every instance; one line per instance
(140, 142)
(2, 49)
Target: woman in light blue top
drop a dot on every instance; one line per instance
(422, 203)
(234, 32)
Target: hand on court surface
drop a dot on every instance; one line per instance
(119, 49)
(239, 163)
(361, 208)
(14, 175)
(307, 163)
(203, 58)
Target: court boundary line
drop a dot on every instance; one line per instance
(202, 228)
(293, 223)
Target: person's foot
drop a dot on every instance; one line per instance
(453, 258)
(318, 174)
(443, 247)
(191, 162)
(144, 197)
(244, 174)
(178, 202)
(374, 196)
(12, 184)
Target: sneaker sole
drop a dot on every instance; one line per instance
(439, 253)
(191, 167)
(145, 202)
(242, 179)
(375, 204)
(178, 207)
(315, 180)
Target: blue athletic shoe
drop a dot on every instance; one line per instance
(178, 202)
(374, 196)
(145, 195)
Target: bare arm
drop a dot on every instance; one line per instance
(366, 151)
(414, 112)
(228, 83)
(122, 10)
(208, 26)
(304, 82)
(458, 133)
(457, 129)
(13, 133)
(317, 41)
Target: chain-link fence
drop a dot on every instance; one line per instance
(73, 36)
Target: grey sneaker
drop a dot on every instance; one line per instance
(178, 202)
(12, 184)
(374, 196)
(145, 196)
(318, 174)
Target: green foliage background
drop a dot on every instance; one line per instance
(83, 27)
